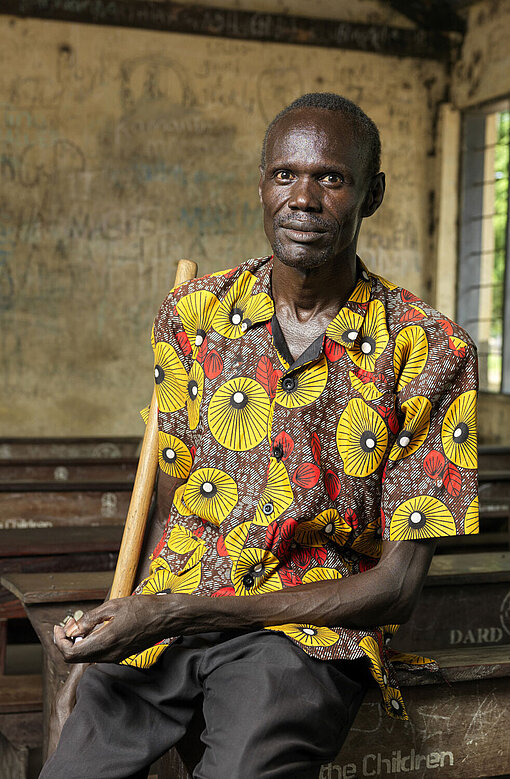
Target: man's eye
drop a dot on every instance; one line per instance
(284, 175)
(333, 178)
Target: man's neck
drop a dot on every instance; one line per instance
(303, 295)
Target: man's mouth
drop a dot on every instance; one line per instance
(302, 231)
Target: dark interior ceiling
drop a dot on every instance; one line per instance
(439, 15)
(437, 30)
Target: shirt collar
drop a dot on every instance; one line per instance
(344, 329)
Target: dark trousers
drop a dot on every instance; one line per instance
(267, 709)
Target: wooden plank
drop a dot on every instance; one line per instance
(61, 587)
(112, 446)
(20, 693)
(23, 729)
(55, 564)
(11, 609)
(473, 567)
(13, 760)
(245, 25)
(62, 540)
(454, 732)
(483, 541)
(69, 470)
(54, 509)
(65, 486)
(461, 664)
(494, 458)
(476, 614)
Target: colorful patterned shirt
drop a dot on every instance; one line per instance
(297, 469)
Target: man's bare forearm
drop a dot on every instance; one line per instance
(385, 594)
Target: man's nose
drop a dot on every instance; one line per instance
(305, 195)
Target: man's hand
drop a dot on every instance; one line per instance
(112, 631)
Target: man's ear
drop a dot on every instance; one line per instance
(375, 194)
(261, 170)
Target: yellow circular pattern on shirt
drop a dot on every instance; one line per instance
(471, 520)
(238, 414)
(344, 328)
(195, 393)
(277, 495)
(174, 456)
(320, 574)
(410, 355)
(369, 541)
(170, 377)
(415, 428)
(458, 432)
(361, 438)
(421, 517)
(373, 338)
(307, 385)
(326, 526)
(308, 635)
(210, 494)
(254, 572)
(196, 311)
(230, 311)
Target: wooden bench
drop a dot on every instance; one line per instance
(494, 495)
(109, 446)
(28, 505)
(48, 598)
(52, 550)
(465, 602)
(20, 724)
(61, 469)
(458, 728)
(492, 458)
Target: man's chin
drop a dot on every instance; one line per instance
(301, 256)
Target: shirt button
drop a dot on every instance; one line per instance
(268, 508)
(248, 581)
(288, 383)
(278, 451)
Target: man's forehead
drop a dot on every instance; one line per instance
(331, 130)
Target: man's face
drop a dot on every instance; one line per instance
(313, 187)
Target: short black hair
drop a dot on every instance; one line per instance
(332, 102)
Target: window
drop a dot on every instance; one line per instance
(483, 296)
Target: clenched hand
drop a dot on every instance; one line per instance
(113, 631)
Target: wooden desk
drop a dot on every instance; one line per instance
(29, 505)
(47, 599)
(52, 550)
(465, 602)
(46, 604)
(111, 446)
(62, 469)
(465, 720)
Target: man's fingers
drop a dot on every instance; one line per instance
(86, 624)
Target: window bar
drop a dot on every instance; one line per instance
(471, 233)
(505, 368)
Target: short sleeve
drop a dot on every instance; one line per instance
(172, 366)
(430, 483)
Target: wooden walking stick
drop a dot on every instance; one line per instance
(134, 529)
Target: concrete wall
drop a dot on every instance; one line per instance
(124, 150)
(483, 74)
